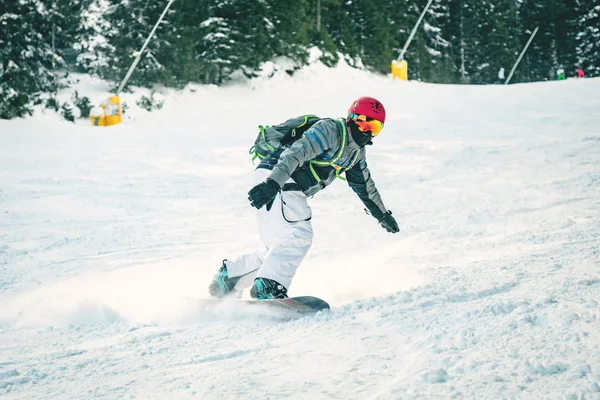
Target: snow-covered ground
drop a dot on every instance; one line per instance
(490, 291)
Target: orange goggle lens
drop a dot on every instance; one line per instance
(367, 124)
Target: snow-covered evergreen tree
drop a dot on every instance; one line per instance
(26, 55)
(435, 59)
(376, 35)
(36, 36)
(238, 35)
(363, 31)
(550, 50)
(217, 48)
(207, 41)
(588, 40)
(68, 22)
(128, 24)
(291, 28)
(92, 55)
(334, 27)
(503, 46)
(255, 43)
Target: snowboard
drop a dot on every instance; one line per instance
(290, 307)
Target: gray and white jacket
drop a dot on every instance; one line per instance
(320, 145)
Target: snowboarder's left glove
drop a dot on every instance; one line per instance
(263, 193)
(389, 223)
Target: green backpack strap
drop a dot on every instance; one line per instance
(338, 171)
(252, 149)
(254, 153)
(306, 118)
(337, 156)
(262, 132)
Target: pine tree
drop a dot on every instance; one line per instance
(94, 50)
(567, 27)
(376, 36)
(292, 27)
(436, 57)
(588, 40)
(502, 48)
(128, 25)
(178, 54)
(67, 19)
(335, 30)
(399, 12)
(26, 56)
(255, 43)
(478, 40)
(406, 14)
(455, 31)
(464, 34)
(545, 55)
(365, 31)
(216, 48)
(237, 36)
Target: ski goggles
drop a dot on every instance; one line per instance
(367, 124)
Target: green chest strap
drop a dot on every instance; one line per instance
(332, 162)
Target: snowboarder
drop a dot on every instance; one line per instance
(285, 179)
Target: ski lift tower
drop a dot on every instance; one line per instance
(399, 65)
(109, 112)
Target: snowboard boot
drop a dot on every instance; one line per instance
(222, 284)
(265, 288)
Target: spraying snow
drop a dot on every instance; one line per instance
(490, 289)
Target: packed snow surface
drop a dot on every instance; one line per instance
(491, 289)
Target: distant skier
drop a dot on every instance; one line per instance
(560, 74)
(580, 73)
(501, 75)
(286, 177)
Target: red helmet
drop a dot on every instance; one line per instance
(369, 107)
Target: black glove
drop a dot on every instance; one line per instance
(263, 193)
(389, 223)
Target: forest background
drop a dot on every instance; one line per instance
(211, 41)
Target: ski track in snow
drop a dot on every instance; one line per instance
(490, 291)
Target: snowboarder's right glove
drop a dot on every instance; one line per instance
(389, 223)
(263, 193)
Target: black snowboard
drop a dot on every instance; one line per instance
(302, 305)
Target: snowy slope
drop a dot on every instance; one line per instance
(491, 290)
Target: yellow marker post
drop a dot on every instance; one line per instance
(400, 69)
(107, 113)
(113, 111)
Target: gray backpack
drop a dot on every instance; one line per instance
(270, 138)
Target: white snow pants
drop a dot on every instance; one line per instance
(285, 230)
